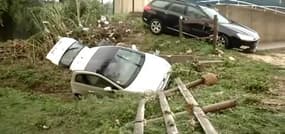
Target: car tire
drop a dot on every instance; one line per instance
(156, 26)
(223, 40)
(252, 49)
(77, 96)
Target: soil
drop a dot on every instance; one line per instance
(273, 57)
(276, 57)
(277, 99)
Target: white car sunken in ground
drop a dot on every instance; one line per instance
(110, 68)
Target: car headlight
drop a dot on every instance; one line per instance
(245, 37)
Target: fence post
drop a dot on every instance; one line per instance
(180, 27)
(133, 6)
(215, 37)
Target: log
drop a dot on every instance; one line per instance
(208, 79)
(210, 108)
(191, 84)
(168, 118)
(139, 122)
(197, 111)
(220, 106)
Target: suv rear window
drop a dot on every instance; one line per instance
(160, 4)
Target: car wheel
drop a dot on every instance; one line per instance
(223, 40)
(252, 49)
(156, 26)
(77, 96)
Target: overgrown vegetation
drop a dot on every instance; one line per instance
(35, 95)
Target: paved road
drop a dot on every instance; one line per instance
(269, 46)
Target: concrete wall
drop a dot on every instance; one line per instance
(269, 25)
(126, 6)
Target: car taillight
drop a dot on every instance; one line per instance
(147, 8)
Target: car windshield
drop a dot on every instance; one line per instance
(211, 13)
(70, 54)
(117, 64)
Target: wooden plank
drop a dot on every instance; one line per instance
(161, 118)
(191, 84)
(210, 61)
(180, 26)
(168, 118)
(139, 122)
(177, 58)
(210, 108)
(197, 111)
(215, 38)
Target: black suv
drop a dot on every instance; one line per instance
(162, 15)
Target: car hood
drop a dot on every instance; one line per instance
(232, 29)
(152, 77)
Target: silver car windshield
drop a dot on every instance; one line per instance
(211, 13)
(120, 65)
(123, 66)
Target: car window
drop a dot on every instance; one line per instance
(195, 13)
(211, 13)
(92, 80)
(160, 4)
(70, 54)
(124, 67)
(177, 8)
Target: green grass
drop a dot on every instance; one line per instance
(29, 113)
(27, 106)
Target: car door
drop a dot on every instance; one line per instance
(173, 14)
(83, 82)
(196, 22)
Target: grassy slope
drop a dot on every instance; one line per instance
(31, 112)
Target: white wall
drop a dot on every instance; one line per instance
(126, 6)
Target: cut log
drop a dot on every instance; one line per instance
(139, 122)
(220, 106)
(168, 118)
(208, 79)
(197, 111)
(191, 84)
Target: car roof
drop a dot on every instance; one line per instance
(181, 2)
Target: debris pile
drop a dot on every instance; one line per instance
(13, 49)
(105, 30)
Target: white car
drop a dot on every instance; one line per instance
(110, 68)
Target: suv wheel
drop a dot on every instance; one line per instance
(77, 96)
(156, 26)
(223, 40)
(251, 49)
